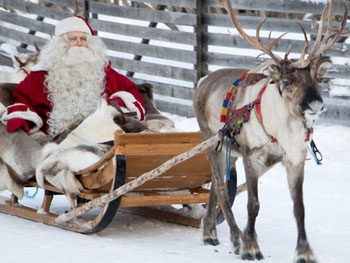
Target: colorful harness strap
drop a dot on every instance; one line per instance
(248, 78)
(229, 94)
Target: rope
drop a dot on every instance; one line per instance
(26, 193)
(104, 199)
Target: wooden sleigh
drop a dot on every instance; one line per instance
(167, 196)
(132, 156)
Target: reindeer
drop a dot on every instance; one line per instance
(22, 63)
(154, 120)
(269, 120)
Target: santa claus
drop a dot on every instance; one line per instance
(66, 86)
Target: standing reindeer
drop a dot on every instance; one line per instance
(269, 119)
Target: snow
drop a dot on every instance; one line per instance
(133, 238)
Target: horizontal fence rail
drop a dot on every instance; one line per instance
(173, 43)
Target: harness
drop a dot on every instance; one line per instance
(259, 115)
(235, 118)
(24, 70)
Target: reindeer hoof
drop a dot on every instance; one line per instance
(303, 260)
(259, 255)
(211, 241)
(248, 256)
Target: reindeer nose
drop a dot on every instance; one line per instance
(314, 109)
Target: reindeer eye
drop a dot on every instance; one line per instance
(286, 83)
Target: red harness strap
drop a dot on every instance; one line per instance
(258, 112)
(24, 70)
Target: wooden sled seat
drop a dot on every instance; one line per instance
(132, 156)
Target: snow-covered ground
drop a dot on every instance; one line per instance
(133, 238)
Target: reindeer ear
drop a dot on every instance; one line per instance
(324, 64)
(17, 62)
(273, 71)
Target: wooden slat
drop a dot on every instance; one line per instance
(159, 138)
(225, 40)
(196, 165)
(32, 214)
(65, 3)
(160, 150)
(158, 200)
(23, 37)
(33, 8)
(151, 51)
(175, 3)
(172, 184)
(296, 6)
(145, 32)
(169, 90)
(143, 14)
(155, 69)
(30, 23)
(180, 109)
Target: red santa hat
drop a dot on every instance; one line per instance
(71, 24)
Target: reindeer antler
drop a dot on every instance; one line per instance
(257, 43)
(321, 45)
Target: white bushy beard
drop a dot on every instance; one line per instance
(75, 84)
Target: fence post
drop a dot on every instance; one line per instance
(200, 29)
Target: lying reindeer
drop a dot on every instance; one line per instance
(154, 120)
(22, 63)
(269, 119)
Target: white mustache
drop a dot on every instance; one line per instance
(76, 55)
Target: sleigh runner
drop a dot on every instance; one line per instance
(132, 156)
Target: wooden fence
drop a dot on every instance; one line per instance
(173, 43)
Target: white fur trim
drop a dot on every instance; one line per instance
(26, 115)
(71, 24)
(128, 100)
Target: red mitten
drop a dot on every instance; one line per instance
(17, 123)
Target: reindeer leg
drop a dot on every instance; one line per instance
(303, 253)
(210, 236)
(7, 182)
(249, 246)
(217, 160)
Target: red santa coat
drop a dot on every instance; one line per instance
(31, 102)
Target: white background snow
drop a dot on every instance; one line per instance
(133, 238)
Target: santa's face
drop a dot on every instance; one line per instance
(76, 39)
